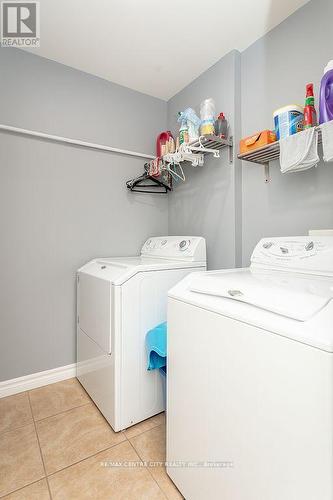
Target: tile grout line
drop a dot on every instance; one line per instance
(137, 452)
(100, 451)
(143, 432)
(60, 412)
(20, 426)
(41, 420)
(33, 420)
(22, 487)
(86, 458)
(16, 428)
(40, 449)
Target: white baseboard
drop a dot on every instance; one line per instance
(20, 384)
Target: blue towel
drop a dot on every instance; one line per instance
(156, 345)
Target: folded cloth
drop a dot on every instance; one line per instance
(299, 151)
(327, 138)
(156, 345)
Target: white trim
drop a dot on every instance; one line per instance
(27, 382)
(76, 142)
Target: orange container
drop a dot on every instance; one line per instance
(256, 141)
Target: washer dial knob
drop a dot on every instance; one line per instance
(184, 244)
(309, 246)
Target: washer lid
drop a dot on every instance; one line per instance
(308, 318)
(286, 294)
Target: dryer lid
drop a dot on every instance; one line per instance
(292, 295)
(117, 270)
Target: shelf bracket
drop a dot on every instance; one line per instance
(267, 172)
(231, 150)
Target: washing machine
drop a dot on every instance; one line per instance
(250, 376)
(118, 301)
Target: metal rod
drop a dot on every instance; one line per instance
(76, 142)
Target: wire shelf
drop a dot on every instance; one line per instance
(211, 142)
(207, 144)
(266, 154)
(262, 155)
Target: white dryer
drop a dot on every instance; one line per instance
(250, 376)
(118, 301)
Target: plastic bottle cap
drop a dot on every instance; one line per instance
(329, 66)
(221, 116)
(286, 109)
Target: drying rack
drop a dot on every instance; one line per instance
(266, 154)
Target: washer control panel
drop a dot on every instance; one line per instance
(307, 254)
(189, 248)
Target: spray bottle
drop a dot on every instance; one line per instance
(221, 126)
(183, 131)
(310, 115)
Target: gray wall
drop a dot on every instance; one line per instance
(275, 71)
(62, 205)
(209, 202)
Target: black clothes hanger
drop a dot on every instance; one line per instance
(147, 184)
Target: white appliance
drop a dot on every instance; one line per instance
(119, 300)
(250, 376)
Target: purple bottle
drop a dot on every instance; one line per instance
(326, 95)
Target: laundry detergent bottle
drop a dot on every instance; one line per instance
(326, 95)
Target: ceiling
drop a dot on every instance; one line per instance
(153, 47)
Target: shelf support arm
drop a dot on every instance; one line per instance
(267, 172)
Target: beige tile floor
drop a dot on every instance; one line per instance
(55, 444)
